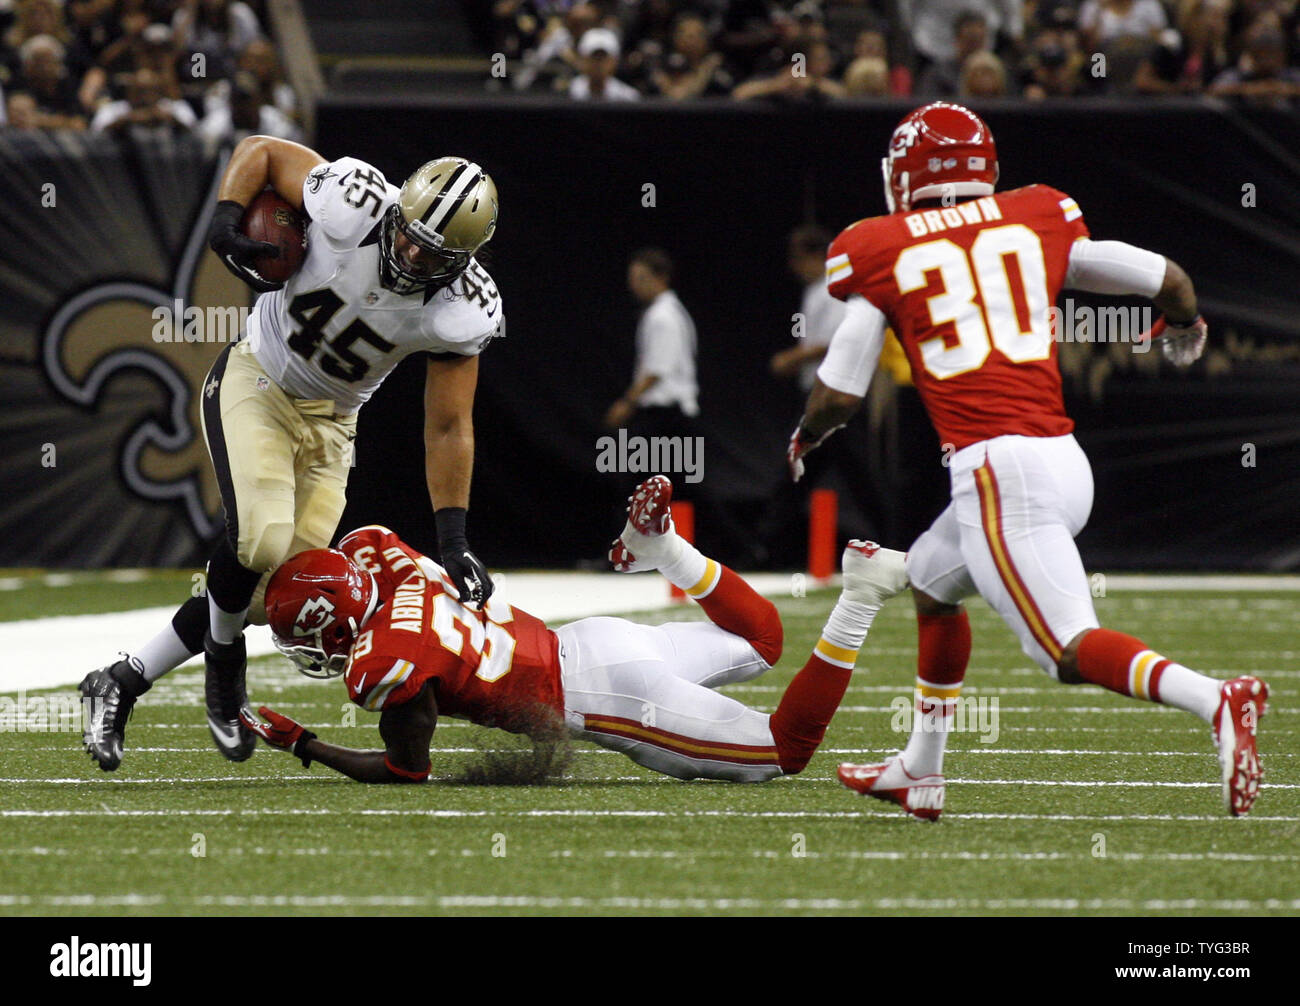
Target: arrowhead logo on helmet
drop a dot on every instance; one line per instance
(315, 614)
(317, 604)
(939, 150)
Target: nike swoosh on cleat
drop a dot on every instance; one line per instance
(226, 734)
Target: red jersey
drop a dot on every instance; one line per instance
(968, 290)
(494, 667)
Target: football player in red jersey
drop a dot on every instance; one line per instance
(967, 277)
(389, 620)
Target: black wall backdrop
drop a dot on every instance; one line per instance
(1195, 471)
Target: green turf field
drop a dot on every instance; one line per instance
(1072, 773)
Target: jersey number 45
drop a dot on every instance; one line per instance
(313, 311)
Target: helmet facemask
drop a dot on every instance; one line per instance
(444, 264)
(311, 659)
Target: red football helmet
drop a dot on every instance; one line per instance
(316, 605)
(938, 150)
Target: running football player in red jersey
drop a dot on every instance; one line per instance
(966, 277)
(389, 620)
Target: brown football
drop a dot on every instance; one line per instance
(270, 218)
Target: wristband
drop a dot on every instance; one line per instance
(227, 216)
(300, 748)
(450, 521)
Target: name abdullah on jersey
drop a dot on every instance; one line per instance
(498, 667)
(333, 331)
(968, 290)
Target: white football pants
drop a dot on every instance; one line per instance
(1017, 503)
(645, 690)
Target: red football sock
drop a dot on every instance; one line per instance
(806, 708)
(1107, 658)
(734, 605)
(943, 648)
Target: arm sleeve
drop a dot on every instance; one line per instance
(1113, 267)
(855, 348)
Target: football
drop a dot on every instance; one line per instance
(270, 218)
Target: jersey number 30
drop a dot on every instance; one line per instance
(986, 270)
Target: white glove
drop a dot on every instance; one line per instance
(1182, 345)
(800, 444)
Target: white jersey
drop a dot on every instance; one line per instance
(333, 331)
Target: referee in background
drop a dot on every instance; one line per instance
(663, 398)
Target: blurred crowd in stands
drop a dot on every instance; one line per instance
(124, 66)
(820, 50)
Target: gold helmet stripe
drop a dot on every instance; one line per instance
(450, 199)
(433, 203)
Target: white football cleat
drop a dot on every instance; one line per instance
(890, 781)
(649, 539)
(872, 574)
(1241, 704)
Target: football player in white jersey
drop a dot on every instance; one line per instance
(388, 272)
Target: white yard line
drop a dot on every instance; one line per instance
(586, 813)
(661, 780)
(882, 855)
(632, 903)
(952, 753)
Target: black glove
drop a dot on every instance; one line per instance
(466, 571)
(237, 251)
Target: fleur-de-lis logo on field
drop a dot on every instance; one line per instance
(108, 330)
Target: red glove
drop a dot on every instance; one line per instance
(800, 444)
(280, 731)
(1181, 344)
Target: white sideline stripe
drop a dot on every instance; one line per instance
(52, 652)
(1147, 582)
(773, 814)
(627, 903)
(1231, 582)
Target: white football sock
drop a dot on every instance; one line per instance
(224, 626)
(1183, 688)
(162, 654)
(657, 550)
(934, 707)
(686, 566)
(849, 623)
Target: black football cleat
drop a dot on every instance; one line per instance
(108, 697)
(223, 688)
